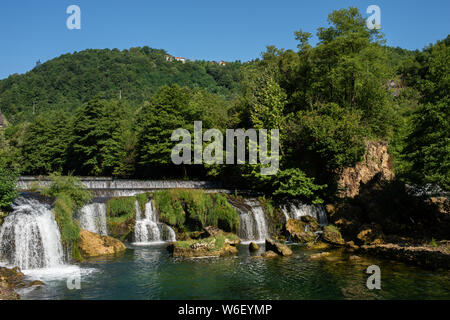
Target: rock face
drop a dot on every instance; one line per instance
(92, 244)
(298, 231)
(376, 161)
(278, 248)
(332, 236)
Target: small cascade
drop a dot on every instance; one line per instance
(253, 225)
(30, 237)
(92, 217)
(293, 211)
(148, 229)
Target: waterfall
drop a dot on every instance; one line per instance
(253, 225)
(30, 237)
(148, 229)
(92, 217)
(297, 211)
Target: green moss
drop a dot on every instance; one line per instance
(63, 209)
(194, 209)
(120, 207)
(142, 200)
(76, 252)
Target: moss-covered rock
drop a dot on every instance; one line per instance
(332, 235)
(319, 245)
(92, 245)
(311, 223)
(11, 279)
(220, 245)
(297, 231)
(278, 248)
(253, 246)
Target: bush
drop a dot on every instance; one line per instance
(70, 186)
(8, 187)
(63, 210)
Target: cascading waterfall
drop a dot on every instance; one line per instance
(253, 225)
(92, 217)
(297, 211)
(148, 229)
(30, 237)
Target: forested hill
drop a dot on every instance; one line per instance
(66, 82)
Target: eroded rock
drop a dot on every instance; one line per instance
(92, 244)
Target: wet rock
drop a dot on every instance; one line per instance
(207, 247)
(319, 256)
(311, 222)
(92, 244)
(253, 246)
(269, 254)
(278, 248)
(332, 235)
(296, 230)
(11, 279)
(317, 245)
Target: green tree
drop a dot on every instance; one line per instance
(8, 187)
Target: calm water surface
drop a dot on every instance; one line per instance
(151, 273)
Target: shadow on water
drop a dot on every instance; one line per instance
(149, 272)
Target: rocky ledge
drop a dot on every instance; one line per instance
(424, 255)
(11, 279)
(92, 245)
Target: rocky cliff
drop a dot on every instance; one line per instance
(376, 161)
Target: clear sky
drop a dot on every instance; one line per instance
(196, 29)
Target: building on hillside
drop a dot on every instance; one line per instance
(168, 57)
(222, 63)
(180, 59)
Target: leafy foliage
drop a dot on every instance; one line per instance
(8, 187)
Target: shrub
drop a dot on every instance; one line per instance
(8, 187)
(120, 207)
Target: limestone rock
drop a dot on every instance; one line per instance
(296, 229)
(269, 254)
(278, 248)
(92, 244)
(376, 161)
(332, 235)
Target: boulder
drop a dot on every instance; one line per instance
(332, 235)
(370, 234)
(11, 279)
(253, 246)
(278, 248)
(296, 230)
(92, 244)
(312, 223)
(269, 254)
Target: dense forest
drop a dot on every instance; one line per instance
(112, 113)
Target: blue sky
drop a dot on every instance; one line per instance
(196, 29)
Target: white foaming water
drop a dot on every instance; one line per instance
(30, 237)
(92, 217)
(253, 225)
(297, 211)
(148, 229)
